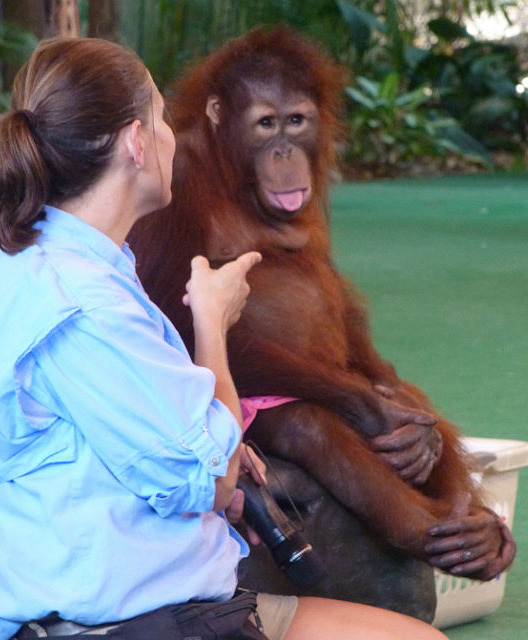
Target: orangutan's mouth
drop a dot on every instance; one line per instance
(290, 201)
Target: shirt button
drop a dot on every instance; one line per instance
(214, 461)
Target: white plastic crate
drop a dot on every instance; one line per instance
(460, 599)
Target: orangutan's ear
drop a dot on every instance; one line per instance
(213, 110)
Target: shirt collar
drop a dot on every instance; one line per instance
(67, 229)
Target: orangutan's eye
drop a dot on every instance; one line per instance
(297, 119)
(267, 122)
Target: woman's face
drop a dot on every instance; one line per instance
(163, 147)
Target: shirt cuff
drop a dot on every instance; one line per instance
(213, 445)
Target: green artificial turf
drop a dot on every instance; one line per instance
(443, 264)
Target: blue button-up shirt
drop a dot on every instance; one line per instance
(110, 441)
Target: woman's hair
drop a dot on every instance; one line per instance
(69, 102)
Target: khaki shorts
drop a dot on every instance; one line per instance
(275, 614)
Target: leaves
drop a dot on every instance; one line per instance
(389, 125)
(16, 45)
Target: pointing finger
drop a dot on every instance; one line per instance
(249, 260)
(199, 262)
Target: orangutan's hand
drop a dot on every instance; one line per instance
(478, 546)
(412, 449)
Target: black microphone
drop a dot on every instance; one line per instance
(293, 554)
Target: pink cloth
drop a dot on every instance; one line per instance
(251, 405)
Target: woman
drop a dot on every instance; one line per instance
(118, 455)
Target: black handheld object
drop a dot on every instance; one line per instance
(294, 555)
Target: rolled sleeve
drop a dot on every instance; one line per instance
(194, 494)
(213, 452)
(145, 409)
(195, 490)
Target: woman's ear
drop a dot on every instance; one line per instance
(134, 143)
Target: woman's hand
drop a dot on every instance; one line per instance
(217, 296)
(252, 464)
(249, 463)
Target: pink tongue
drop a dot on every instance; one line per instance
(291, 201)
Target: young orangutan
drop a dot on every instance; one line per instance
(257, 127)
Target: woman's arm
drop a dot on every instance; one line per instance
(216, 298)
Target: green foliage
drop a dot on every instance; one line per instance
(16, 45)
(380, 34)
(390, 127)
(362, 26)
(459, 96)
(477, 83)
(456, 96)
(168, 34)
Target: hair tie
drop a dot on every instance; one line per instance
(30, 118)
